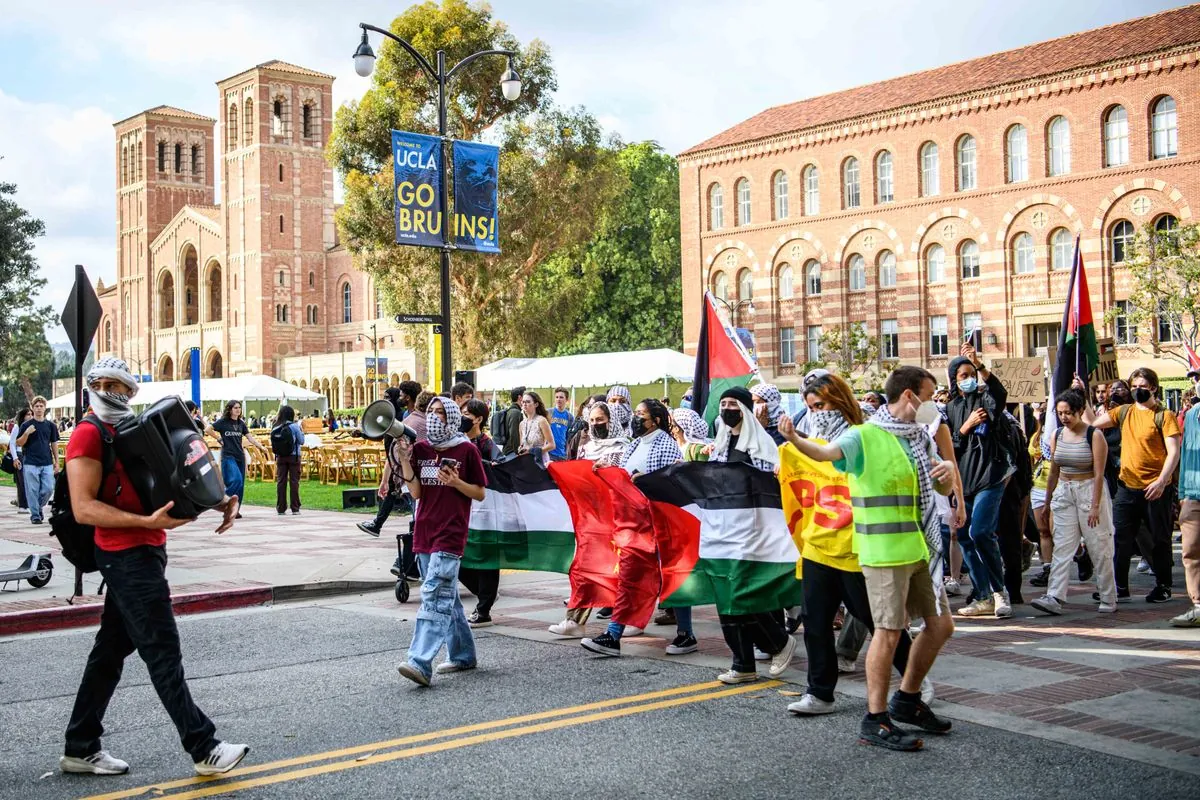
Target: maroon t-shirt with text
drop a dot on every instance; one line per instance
(443, 512)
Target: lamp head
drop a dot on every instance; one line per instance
(364, 57)
(510, 83)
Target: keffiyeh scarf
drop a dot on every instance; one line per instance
(651, 452)
(695, 429)
(444, 435)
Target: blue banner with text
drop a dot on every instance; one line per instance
(418, 189)
(476, 174)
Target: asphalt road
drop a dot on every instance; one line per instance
(314, 690)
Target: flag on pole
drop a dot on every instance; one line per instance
(1078, 353)
(721, 362)
(1192, 357)
(522, 523)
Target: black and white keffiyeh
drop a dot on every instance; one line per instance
(651, 452)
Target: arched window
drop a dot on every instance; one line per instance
(812, 191)
(966, 157)
(884, 185)
(887, 270)
(312, 279)
(785, 283)
(1120, 238)
(968, 259)
(779, 186)
(1061, 249)
(1116, 137)
(283, 277)
(124, 165)
(745, 284)
(108, 336)
(378, 303)
(127, 312)
(930, 185)
(812, 278)
(1166, 228)
(742, 189)
(1058, 142)
(1023, 253)
(138, 170)
(277, 120)
(935, 264)
(178, 158)
(248, 121)
(851, 193)
(231, 126)
(1018, 154)
(281, 223)
(716, 207)
(308, 121)
(162, 157)
(1164, 129)
(281, 173)
(285, 312)
(196, 170)
(858, 273)
(721, 286)
(347, 306)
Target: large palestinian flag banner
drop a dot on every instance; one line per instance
(721, 362)
(722, 538)
(522, 523)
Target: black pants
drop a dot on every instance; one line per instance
(137, 616)
(1130, 509)
(1009, 532)
(287, 473)
(19, 476)
(826, 588)
(484, 584)
(744, 632)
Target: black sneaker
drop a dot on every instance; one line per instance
(368, 528)
(1122, 596)
(915, 712)
(395, 570)
(1159, 594)
(604, 613)
(477, 620)
(883, 733)
(603, 644)
(684, 643)
(1086, 567)
(1041, 580)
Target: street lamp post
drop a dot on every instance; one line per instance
(510, 85)
(375, 339)
(733, 307)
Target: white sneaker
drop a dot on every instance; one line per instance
(1188, 619)
(98, 763)
(222, 758)
(731, 676)
(783, 659)
(1108, 608)
(808, 706)
(632, 630)
(953, 587)
(979, 608)
(1047, 605)
(926, 690)
(1143, 566)
(1003, 609)
(846, 666)
(568, 628)
(759, 655)
(446, 667)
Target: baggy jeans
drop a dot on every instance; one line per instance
(441, 619)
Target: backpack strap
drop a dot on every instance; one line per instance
(108, 454)
(1122, 413)
(1158, 419)
(1090, 433)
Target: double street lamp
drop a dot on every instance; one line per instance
(510, 86)
(375, 339)
(733, 306)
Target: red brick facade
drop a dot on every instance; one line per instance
(1020, 204)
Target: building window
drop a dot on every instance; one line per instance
(231, 126)
(938, 337)
(312, 279)
(1125, 332)
(968, 259)
(235, 282)
(1018, 154)
(281, 173)
(162, 157)
(812, 278)
(1058, 141)
(1023, 253)
(308, 121)
(1061, 249)
(785, 283)
(935, 263)
(1167, 330)
(780, 185)
(378, 303)
(858, 273)
(1164, 129)
(1116, 137)
(812, 191)
(721, 286)
(742, 189)
(178, 158)
(745, 284)
(277, 128)
(196, 160)
(248, 133)
(930, 185)
(716, 207)
(347, 308)
(967, 179)
(124, 165)
(281, 223)
(787, 345)
(972, 329)
(814, 342)
(1120, 240)
(884, 188)
(889, 336)
(141, 165)
(851, 194)
(1040, 338)
(1165, 228)
(887, 270)
(282, 278)
(285, 312)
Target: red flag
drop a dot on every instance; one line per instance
(593, 571)
(1193, 359)
(637, 555)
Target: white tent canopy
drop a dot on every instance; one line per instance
(595, 369)
(246, 388)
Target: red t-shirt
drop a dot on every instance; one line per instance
(443, 512)
(85, 442)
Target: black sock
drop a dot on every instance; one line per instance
(907, 697)
(882, 716)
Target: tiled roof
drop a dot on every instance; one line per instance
(212, 212)
(169, 111)
(283, 66)
(1163, 31)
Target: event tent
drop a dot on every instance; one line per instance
(252, 390)
(595, 369)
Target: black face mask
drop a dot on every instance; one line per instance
(466, 425)
(731, 416)
(1119, 397)
(639, 426)
(600, 431)
(1142, 395)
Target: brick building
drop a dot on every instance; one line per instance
(949, 200)
(258, 282)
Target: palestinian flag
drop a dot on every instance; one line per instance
(721, 362)
(722, 538)
(522, 523)
(1078, 353)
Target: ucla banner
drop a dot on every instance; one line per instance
(476, 172)
(418, 189)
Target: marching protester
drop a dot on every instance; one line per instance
(1189, 513)
(286, 441)
(37, 439)
(536, 438)
(578, 435)
(691, 434)
(561, 419)
(462, 393)
(131, 556)
(767, 409)
(506, 424)
(483, 583)
(391, 488)
(231, 429)
(619, 395)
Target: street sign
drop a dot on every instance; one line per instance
(1024, 378)
(81, 315)
(418, 319)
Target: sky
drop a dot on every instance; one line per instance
(672, 71)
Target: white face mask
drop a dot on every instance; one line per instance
(928, 413)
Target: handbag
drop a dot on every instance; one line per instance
(7, 463)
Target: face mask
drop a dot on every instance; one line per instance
(685, 402)
(1142, 395)
(466, 425)
(639, 426)
(968, 386)
(111, 407)
(600, 430)
(928, 413)
(731, 416)
(823, 422)
(1120, 397)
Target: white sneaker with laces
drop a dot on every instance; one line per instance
(783, 659)
(846, 666)
(731, 677)
(1003, 609)
(98, 763)
(1047, 605)
(632, 630)
(808, 706)
(926, 690)
(1143, 566)
(222, 758)
(759, 655)
(1107, 608)
(1188, 619)
(568, 628)
(446, 667)
(953, 587)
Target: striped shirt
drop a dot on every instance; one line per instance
(1072, 458)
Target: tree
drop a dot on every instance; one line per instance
(28, 364)
(850, 352)
(555, 171)
(20, 282)
(1164, 273)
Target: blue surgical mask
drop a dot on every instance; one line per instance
(968, 386)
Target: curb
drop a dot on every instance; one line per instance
(76, 616)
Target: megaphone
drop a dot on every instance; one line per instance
(379, 420)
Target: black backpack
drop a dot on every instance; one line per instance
(283, 439)
(78, 541)
(500, 428)
(1012, 440)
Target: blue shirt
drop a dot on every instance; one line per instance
(560, 421)
(36, 452)
(297, 436)
(1189, 459)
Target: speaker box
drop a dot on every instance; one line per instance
(358, 498)
(465, 376)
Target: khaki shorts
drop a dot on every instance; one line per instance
(893, 591)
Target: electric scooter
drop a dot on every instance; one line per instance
(36, 569)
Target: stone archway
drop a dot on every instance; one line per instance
(213, 290)
(166, 369)
(166, 300)
(191, 286)
(214, 365)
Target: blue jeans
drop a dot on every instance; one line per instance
(441, 618)
(234, 475)
(980, 547)
(39, 485)
(683, 620)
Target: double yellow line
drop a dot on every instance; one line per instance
(291, 769)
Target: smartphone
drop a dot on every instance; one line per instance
(448, 463)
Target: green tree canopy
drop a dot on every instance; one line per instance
(22, 323)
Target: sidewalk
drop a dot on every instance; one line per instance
(264, 557)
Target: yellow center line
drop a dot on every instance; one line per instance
(454, 744)
(413, 739)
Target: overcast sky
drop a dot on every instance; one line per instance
(672, 71)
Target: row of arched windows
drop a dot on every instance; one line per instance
(281, 123)
(1163, 143)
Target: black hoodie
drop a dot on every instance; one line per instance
(982, 460)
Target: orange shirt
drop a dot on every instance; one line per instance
(1143, 449)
